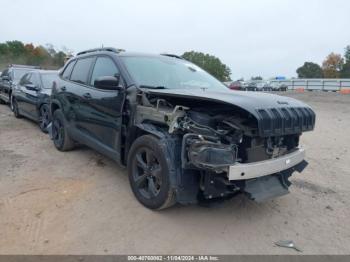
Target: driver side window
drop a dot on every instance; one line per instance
(104, 66)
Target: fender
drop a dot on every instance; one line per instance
(185, 181)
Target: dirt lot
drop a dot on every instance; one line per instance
(80, 202)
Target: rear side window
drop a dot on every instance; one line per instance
(68, 70)
(81, 70)
(104, 66)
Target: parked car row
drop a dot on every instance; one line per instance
(31, 97)
(10, 77)
(27, 90)
(257, 86)
(183, 136)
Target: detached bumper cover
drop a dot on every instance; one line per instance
(267, 167)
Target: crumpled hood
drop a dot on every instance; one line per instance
(249, 101)
(276, 115)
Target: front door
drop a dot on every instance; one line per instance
(30, 96)
(102, 108)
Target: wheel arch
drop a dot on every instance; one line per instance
(138, 130)
(54, 105)
(185, 181)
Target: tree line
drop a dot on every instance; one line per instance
(16, 52)
(334, 66)
(49, 57)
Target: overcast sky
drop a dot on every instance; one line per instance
(253, 37)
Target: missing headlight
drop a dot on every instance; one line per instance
(204, 153)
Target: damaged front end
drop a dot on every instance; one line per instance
(227, 148)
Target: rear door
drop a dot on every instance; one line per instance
(19, 92)
(32, 96)
(71, 93)
(66, 94)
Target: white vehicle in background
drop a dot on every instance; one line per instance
(262, 86)
(276, 86)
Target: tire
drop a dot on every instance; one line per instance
(14, 108)
(60, 136)
(44, 117)
(148, 171)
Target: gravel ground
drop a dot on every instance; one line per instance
(80, 202)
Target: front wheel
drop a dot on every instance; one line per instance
(148, 170)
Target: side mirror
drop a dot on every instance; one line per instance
(108, 83)
(32, 87)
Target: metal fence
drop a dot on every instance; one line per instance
(316, 84)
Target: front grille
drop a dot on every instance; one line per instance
(284, 121)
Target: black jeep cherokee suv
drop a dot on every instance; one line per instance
(182, 134)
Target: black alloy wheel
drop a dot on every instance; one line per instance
(44, 117)
(148, 164)
(147, 173)
(57, 133)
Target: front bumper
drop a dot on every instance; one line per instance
(266, 167)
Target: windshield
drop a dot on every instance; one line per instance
(169, 72)
(48, 79)
(18, 73)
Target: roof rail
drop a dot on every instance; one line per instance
(172, 55)
(25, 66)
(109, 49)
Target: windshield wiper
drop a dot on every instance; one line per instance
(152, 87)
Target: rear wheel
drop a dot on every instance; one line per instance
(149, 173)
(44, 117)
(60, 136)
(14, 108)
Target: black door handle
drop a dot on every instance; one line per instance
(63, 88)
(87, 95)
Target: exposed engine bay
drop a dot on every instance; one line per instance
(215, 136)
